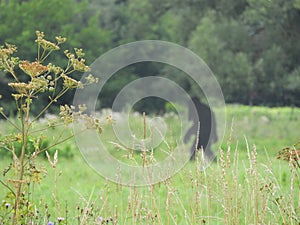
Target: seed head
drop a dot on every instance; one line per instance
(33, 69)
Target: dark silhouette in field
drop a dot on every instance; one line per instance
(207, 130)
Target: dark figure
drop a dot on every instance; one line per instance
(207, 130)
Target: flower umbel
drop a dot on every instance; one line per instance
(78, 62)
(91, 79)
(60, 40)
(5, 52)
(70, 82)
(33, 69)
(7, 62)
(46, 45)
(21, 87)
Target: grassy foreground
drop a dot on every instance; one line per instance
(248, 184)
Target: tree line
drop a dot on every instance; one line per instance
(252, 46)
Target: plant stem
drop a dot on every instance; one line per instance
(144, 123)
(25, 129)
(8, 120)
(46, 128)
(50, 103)
(8, 187)
(12, 72)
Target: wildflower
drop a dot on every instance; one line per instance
(7, 63)
(60, 39)
(62, 108)
(21, 87)
(99, 219)
(68, 54)
(79, 65)
(50, 223)
(40, 84)
(70, 82)
(7, 205)
(47, 45)
(82, 108)
(40, 35)
(9, 50)
(17, 96)
(33, 69)
(91, 79)
(55, 69)
(79, 52)
(60, 219)
(36, 176)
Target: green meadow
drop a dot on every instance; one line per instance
(247, 184)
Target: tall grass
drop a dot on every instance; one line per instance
(247, 185)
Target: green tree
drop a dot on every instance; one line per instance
(232, 36)
(77, 20)
(275, 39)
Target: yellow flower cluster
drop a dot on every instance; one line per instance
(69, 115)
(66, 113)
(55, 69)
(21, 87)
(78, 63)
(60, 40)
(47, 45)
(39, 84)
(79, 52)
(44, 77)
(91, 79)
(70, 82)
(5, 52)
(7, 63)
(33, 69)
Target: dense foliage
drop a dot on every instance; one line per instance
(252, 46)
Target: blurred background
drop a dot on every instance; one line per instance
(252, 46)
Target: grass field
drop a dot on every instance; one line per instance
(248, 184)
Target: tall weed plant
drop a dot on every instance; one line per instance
(29, 81)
